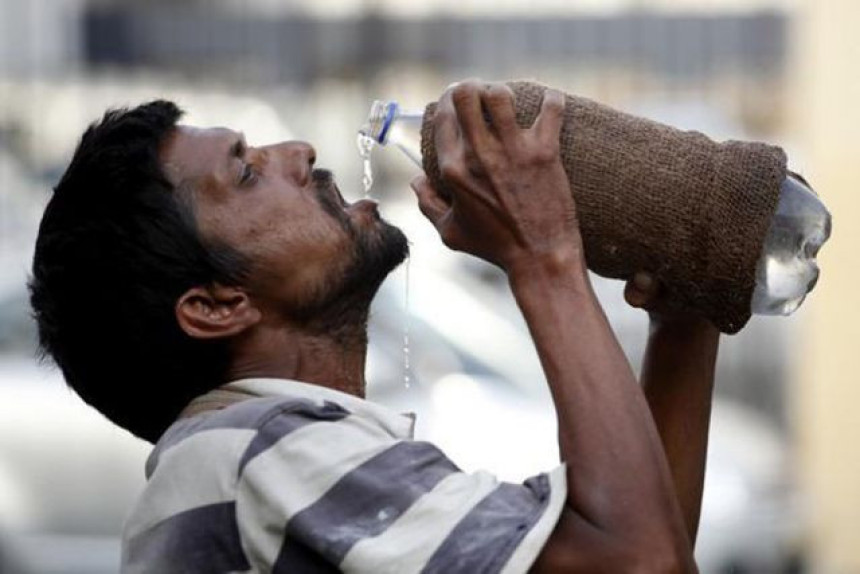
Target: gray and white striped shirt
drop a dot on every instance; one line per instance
(300, 478)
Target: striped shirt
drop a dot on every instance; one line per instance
(300, 478)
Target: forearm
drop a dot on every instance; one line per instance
(510, 203)
(678, 379)
(618, 477)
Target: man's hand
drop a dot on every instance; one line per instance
(645, 292)
(510, 199)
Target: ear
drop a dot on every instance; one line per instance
(215, 311)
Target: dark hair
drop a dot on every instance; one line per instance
(117, 247)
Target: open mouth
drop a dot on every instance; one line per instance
(339, 196)
(332, 200)
(324, 182)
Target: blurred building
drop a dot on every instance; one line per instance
(827, 117)
(40, 38)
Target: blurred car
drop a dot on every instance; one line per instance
(753, 518)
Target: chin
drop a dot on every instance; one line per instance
(378, 250)
(392, 245)
(376, 238)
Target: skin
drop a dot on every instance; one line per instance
(635, 459)
(259, 318)
(628, 508)
(678, 381)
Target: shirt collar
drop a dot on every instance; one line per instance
(400, 425)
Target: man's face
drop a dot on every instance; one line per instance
(314, 258)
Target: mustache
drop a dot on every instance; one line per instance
(323, 181)
(322, 178)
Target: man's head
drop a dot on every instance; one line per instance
(164, 244)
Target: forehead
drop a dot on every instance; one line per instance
(191, 153)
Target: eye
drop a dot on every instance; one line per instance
(248, 174)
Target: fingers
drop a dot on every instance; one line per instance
(430, 202)
(460, 111)
(498, 100)
(547, 126)
(461, 132)
(641, 291)
(466, 98)
(446, 130)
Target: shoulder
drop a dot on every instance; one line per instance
(242, 419)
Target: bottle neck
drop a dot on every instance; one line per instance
(382, 118)
(389, 117)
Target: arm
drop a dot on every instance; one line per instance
(511, 205)
(678, 381)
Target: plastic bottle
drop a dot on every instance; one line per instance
(787, 269)
(390, 125)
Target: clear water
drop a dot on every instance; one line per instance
(407, 371)
(365, 149)
(787, 269)
(365, 146)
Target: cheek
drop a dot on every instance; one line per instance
(301, 258)
(295, 247)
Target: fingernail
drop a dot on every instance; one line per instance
(553, 94)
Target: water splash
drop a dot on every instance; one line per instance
(407, 370)
(365, 148)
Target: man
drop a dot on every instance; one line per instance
(212, 297)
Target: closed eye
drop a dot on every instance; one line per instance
(248, 175)
(248, 172)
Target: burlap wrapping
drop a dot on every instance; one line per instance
(654, 198)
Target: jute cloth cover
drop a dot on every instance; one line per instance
(653, 198)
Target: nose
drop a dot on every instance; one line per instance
(297, 159)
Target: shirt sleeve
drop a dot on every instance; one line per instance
(346, 494)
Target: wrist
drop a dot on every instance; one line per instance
(682, 326)
(564, 266)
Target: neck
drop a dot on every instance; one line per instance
(332, 359)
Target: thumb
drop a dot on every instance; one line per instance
(430, 202)
(641, 290)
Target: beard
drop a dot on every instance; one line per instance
(341, 305)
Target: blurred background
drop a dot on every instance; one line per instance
(783, 486)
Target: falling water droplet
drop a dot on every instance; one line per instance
(406, 367)
(365, 148)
